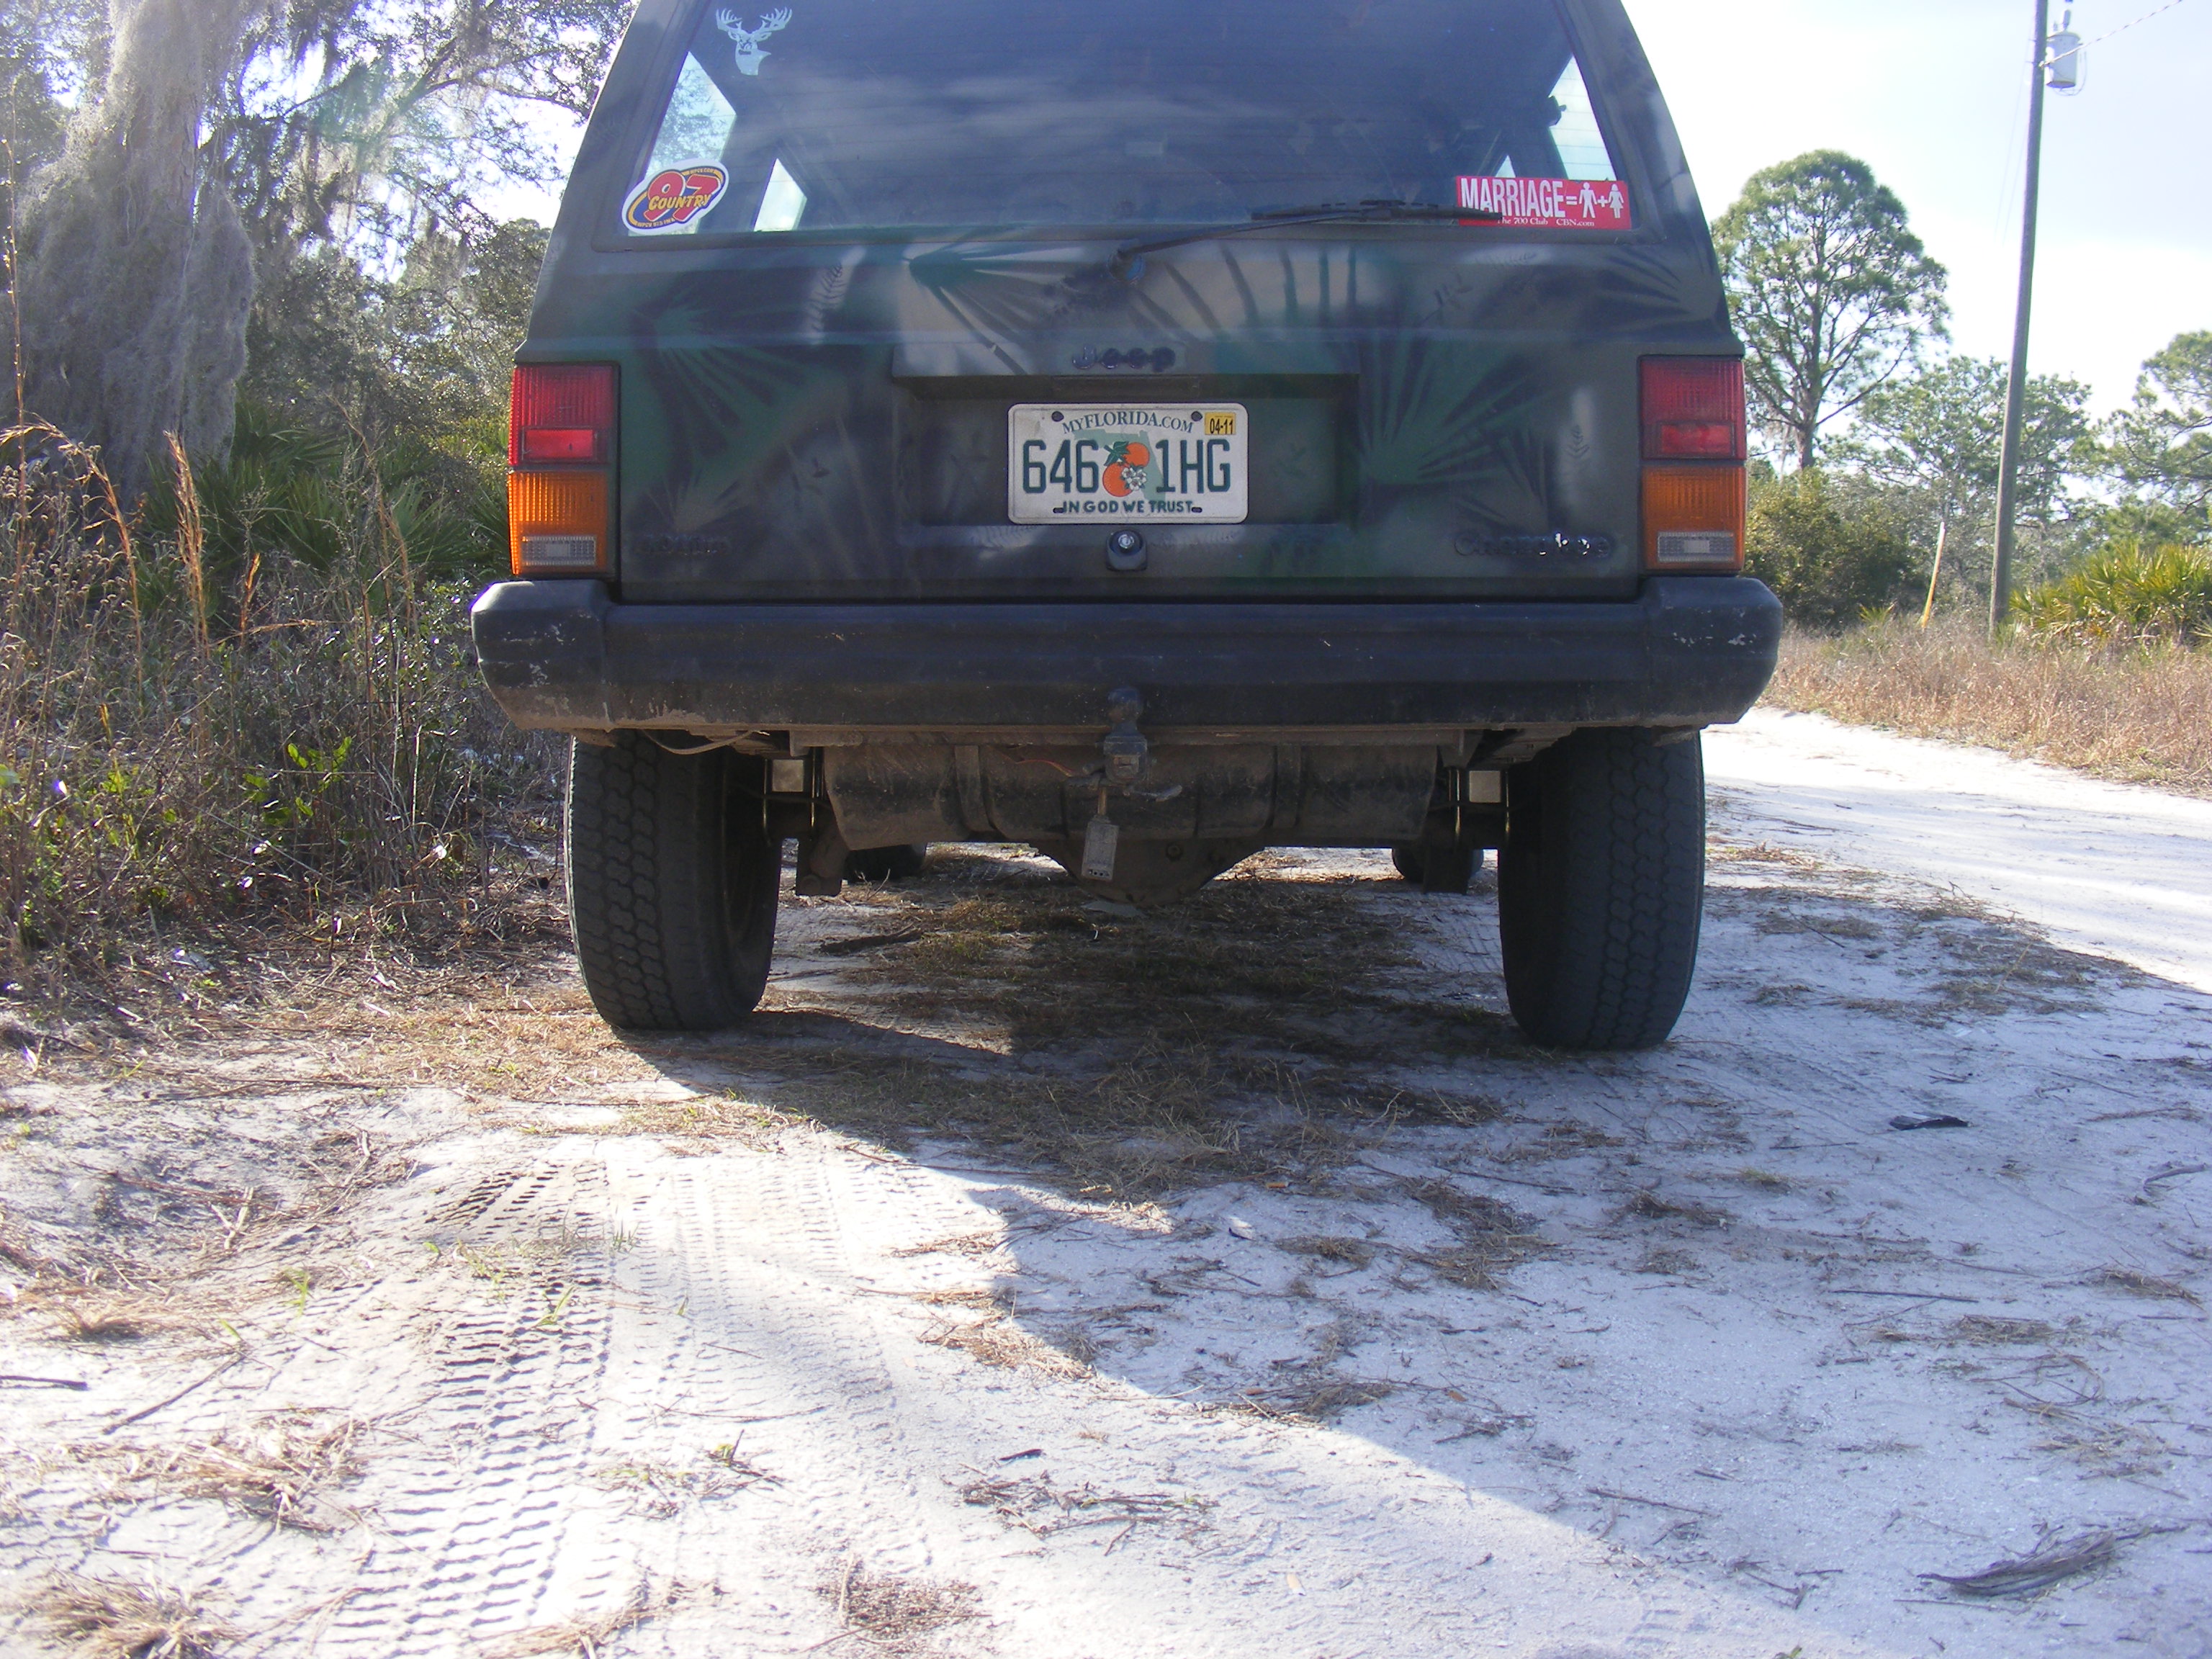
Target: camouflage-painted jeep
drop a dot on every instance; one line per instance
(1151, 433)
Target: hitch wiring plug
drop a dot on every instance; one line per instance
(1128, 755)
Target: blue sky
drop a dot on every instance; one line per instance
(1933, 94)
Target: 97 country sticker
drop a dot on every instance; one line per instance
(1556, 203)
(671, 198)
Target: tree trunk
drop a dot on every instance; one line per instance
(136, 273)
(1936, 571)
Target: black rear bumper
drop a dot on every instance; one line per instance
(1689, 650)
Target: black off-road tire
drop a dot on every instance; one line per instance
(885, 863)
(1434, 872)
(671, 884)
(1600, 886)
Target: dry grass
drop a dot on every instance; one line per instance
(1131, 1056)
(1490, 1237)
(980, 1300)
(2053, 1559)
(661, 1489)
(1311, 1397)
(1126, 1056)
(124, 1619)
(280, 1469)
(197, 754)
(1648, 1205)
(1765, 1181)
(96, 1318)
(2148, 1285)
(284, 1468)
(1235, 1038)
(991, 1341)
(1314, 1388)
(143, 1260)
(1991, 1330)
(886, 1609)
(973, 1244)
(1978, 1331)
(2112, 1451)
(2144, 716)
(1351, 1254)
(1034, 1504)
(584, 1636)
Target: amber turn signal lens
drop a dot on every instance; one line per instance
(557, 523)
(1693, 518)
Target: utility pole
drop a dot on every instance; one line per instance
(2016, 384)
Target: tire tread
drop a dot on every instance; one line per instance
(1600, 921)
(665, 904)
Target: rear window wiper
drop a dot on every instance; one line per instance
(1128, 260)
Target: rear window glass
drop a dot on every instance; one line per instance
(884, 113)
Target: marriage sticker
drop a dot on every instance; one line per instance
(1556, 203)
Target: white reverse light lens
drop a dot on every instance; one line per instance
(1694, 547)
(561, 552)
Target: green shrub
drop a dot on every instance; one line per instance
(2124, 596)
(188, 737)
(1829, 558)
(293, 494)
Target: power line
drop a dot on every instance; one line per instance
(2124, 27)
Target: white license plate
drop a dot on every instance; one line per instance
(1123, 463)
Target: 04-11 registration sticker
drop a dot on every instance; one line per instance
(1115, 463)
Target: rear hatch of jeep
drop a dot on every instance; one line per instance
(877, 300)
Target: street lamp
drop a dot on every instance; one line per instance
(2058, 62)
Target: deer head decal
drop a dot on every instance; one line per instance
(748, 41)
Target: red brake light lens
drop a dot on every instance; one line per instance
(1693, 409)
(562, 412)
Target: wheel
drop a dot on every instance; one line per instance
(885, 863)
(1601, 886)
(1434, 872)
(671, 884)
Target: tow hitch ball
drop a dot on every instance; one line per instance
(1128, 752)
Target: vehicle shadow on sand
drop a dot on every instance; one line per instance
(1284, 1018)
(1280, 1153)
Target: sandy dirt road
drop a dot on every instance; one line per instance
(1038, 1279)
(2113, 869)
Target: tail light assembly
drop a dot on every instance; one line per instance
(1694, 451)
(560, 458)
